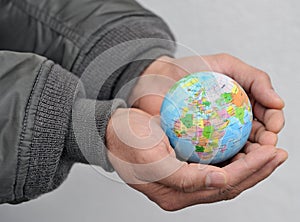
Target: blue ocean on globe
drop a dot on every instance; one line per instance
(207, 117)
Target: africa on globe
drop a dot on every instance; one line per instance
(207, 117)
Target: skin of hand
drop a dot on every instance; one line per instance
(141, 154)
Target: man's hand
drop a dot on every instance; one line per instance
(267, 106)
(141, 154)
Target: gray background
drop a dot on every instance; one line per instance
(264, 33)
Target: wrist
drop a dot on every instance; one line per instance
(160, 66)
(153, 83)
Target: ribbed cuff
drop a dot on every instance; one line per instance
(86, 141)
(62, 129)
(45, 132)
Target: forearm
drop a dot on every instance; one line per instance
(41, 108)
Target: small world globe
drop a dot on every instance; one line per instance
(207, 117)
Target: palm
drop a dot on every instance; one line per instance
(144, 159)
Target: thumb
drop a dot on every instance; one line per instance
(193, 177)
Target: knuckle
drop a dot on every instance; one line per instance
(187, 185)
(249, 167)
(263, 76)
(230, 192)
(168, 206)
(224, 55)
(226, 60)
(165, 201)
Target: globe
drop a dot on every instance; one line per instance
(207, 117)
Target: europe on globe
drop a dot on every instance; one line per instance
(207, 117)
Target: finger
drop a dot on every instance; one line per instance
(254, 81)
(260, 135)
(168, 171)
(273, 119)
(238, 156)
(250, 147)
(171, 199)
(251, 163)
(261, 174)
(193, 177)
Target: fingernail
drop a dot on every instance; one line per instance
(215, 179)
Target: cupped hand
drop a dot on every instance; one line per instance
(159, 77)
(141, 154)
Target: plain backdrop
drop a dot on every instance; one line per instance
(265, 34)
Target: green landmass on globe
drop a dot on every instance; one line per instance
(207, 117)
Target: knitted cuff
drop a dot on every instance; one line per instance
(86, 140)
(42, 168)
(61, 131)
